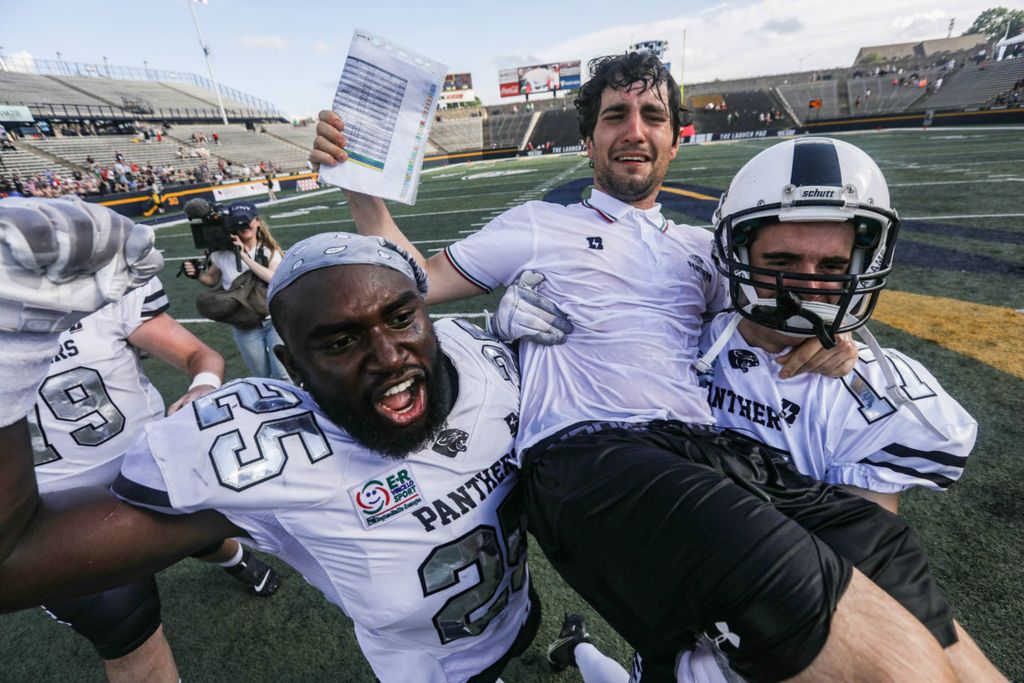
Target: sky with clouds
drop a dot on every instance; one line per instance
(292, 52)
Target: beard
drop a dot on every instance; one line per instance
(627, 188)
(370, 429)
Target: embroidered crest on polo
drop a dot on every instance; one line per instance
(386, 496)
(512, 420)
(595, 243)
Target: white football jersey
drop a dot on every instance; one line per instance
(426, 554)
(95, 399)
(637, 288)
(841, 431)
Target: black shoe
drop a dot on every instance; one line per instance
(562, 651)
(255, 573)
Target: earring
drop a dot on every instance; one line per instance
(591, 163)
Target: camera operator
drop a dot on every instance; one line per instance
(257, 251)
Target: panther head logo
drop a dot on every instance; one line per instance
(743, 360)
(451, 442)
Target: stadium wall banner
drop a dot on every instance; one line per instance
(173, 199)
(540, 78)
(467, 157)
(457, 88)
(699, 138)
(225, 193)
(15, 114)
(563, 149)
(458, 96)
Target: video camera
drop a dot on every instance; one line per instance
(211, 225)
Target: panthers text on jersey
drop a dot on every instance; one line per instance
(841, 431)
(426, 554)
(95, 399)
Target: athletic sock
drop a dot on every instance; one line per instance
(596, 667)
(235, 559)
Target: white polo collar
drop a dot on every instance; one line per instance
(613, 210)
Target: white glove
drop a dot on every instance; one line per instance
(525, 313)
(61, 260)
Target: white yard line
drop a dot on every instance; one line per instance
(958, 182)
(963, 215)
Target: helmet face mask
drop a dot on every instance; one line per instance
(811, 180)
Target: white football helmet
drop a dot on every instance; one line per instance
(807, 180)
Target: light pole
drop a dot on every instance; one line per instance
(145, 67)
(206, 55)
(60, 64)
(106, 67)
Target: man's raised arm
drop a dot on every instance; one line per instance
(59, 261)
(372, 217)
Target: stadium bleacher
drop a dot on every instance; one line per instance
(737, 110)
(458, 135)
(242, 146)
(799, 95)
(28, 89)
(555, 128)
(126, 94)
(101, 148)
(974, 85)
(302, 136)
(25, 162)
(890, 94)
(77, 92)
(506, 129)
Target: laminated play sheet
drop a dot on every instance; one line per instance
(387, 96)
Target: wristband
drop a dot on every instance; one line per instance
(205, 378)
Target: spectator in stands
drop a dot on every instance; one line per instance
(118, 157)
(255, 250)
(216, 139)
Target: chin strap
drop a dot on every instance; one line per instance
(703, 363)
(893, 390)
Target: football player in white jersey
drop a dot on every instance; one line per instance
(622, 471)
(854, 432)
(93, 404)
(388, 481)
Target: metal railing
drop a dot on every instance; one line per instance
(57, 111)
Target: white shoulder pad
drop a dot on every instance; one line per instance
(898, 448)
(250, 444)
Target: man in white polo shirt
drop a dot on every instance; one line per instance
(665, 526)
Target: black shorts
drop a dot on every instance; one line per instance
(670, 530)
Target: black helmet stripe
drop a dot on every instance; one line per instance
(816, 162)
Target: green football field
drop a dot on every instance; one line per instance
(956, 303)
